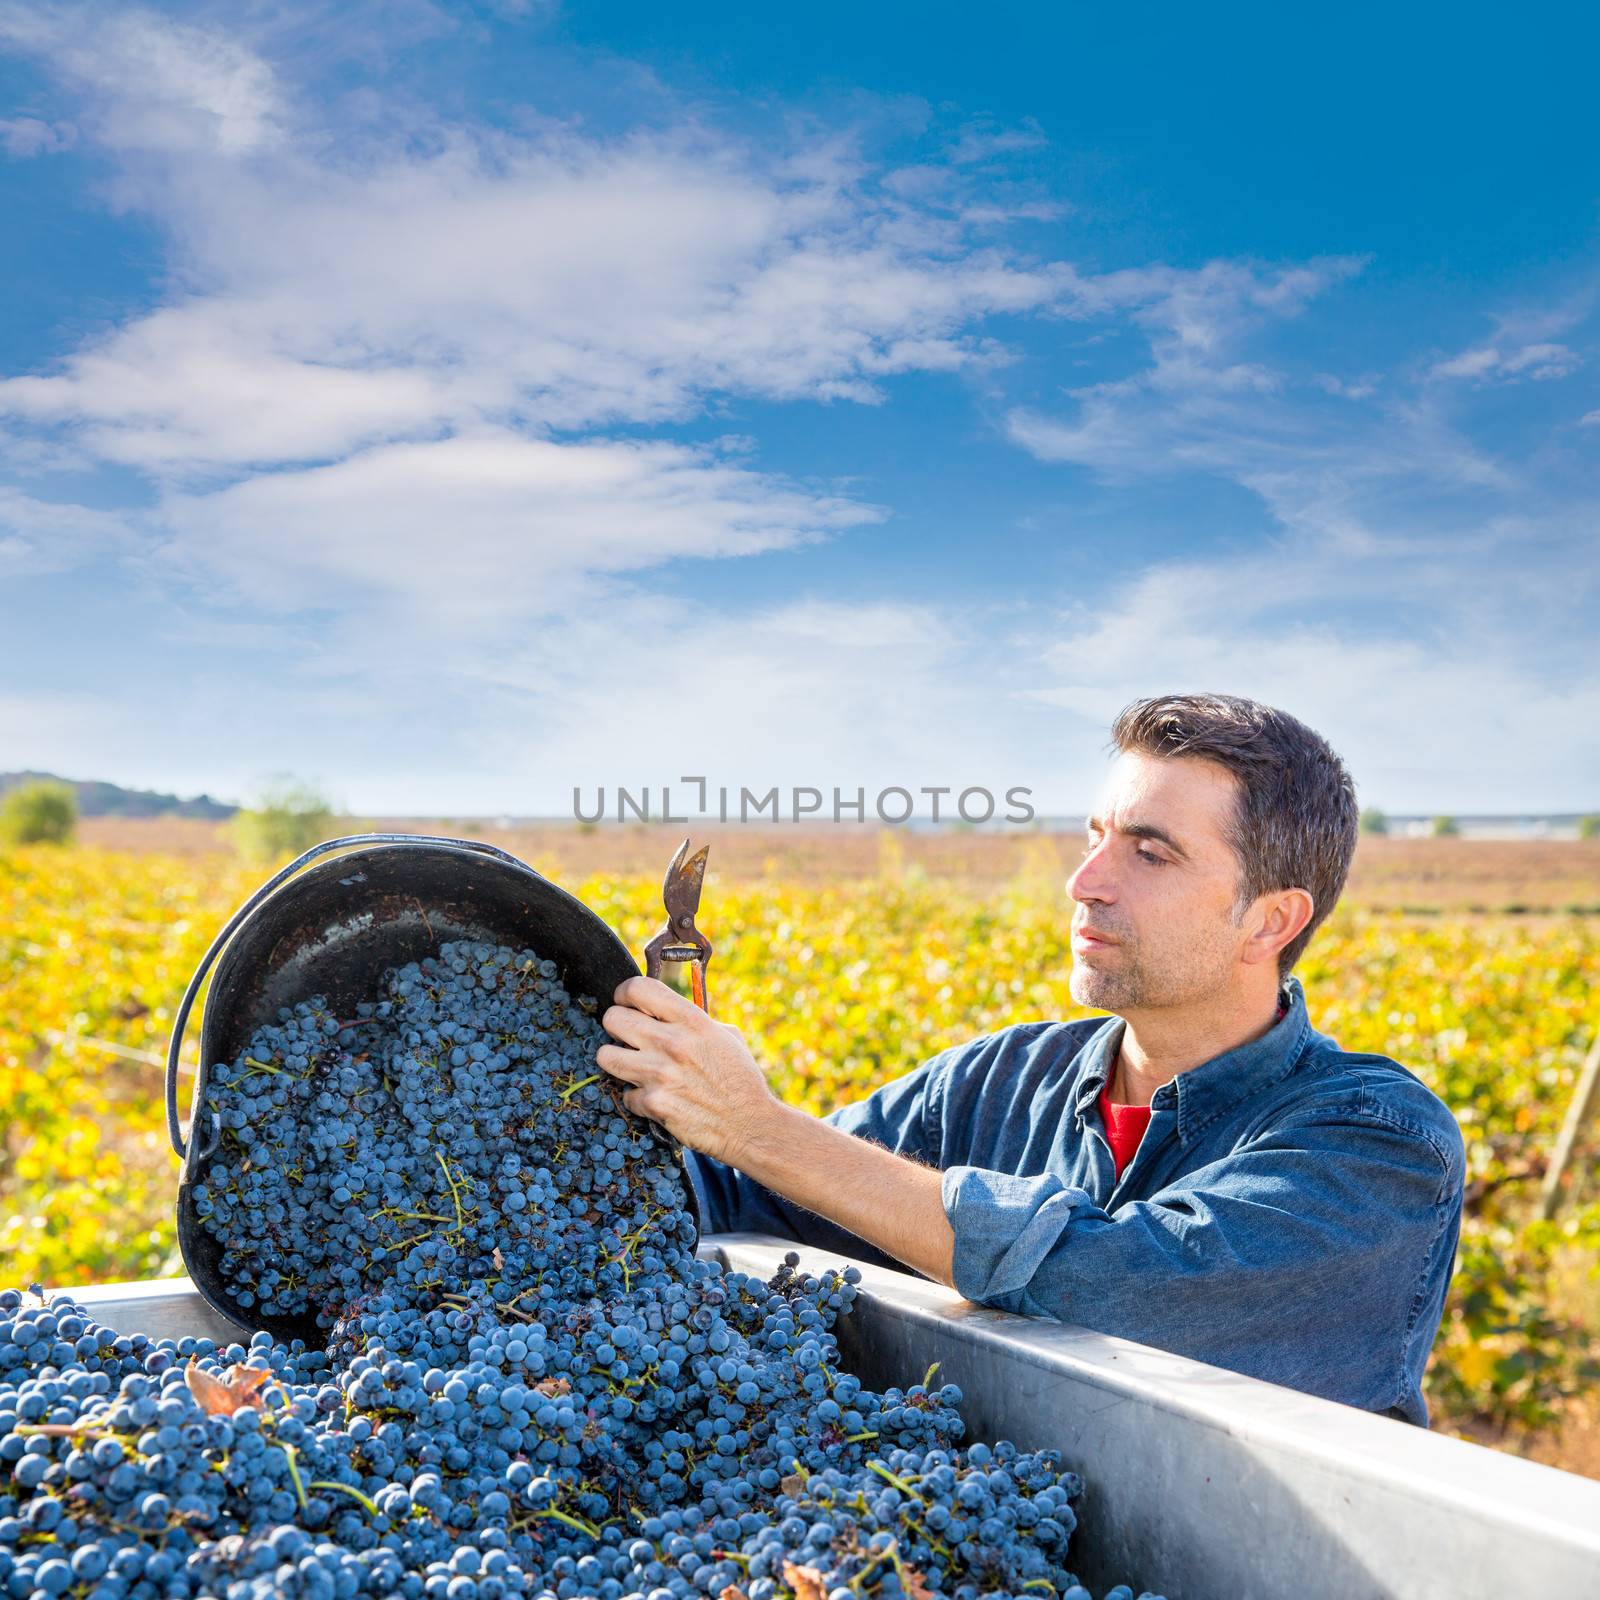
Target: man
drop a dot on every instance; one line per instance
(1203, 1170)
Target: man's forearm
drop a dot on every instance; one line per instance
(889, 1201)
(698, 1079)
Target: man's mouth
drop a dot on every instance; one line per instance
(1090, 936)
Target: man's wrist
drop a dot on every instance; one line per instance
(759, 1152)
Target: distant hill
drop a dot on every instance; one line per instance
(98, 799)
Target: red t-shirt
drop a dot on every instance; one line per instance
(1125, 1125)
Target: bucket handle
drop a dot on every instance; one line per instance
(181, 1021)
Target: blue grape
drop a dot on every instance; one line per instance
(526, 1383)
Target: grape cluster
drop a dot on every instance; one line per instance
(459, 1114)
(527, 1384)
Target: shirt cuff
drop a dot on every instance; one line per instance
(1004, 1228)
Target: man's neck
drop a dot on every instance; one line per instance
(1158, 1045)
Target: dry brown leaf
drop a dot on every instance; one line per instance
(551, 1387)
(498, 1259)
(793, 1486)
(807, 1582)
(238, 1387)
(733, 1592)
(916, 1585)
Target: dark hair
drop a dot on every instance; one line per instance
(1296, 821)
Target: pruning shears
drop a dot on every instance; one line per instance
(680, 940)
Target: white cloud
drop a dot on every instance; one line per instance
(982, 141)
(1194, 316)
(38, 536)
(1532, 343)
(1197, 399)
(817, 692)
(1469, 364)
(1534, 362)
(1446, 715)
(335, 287)
(151, 83)
(621, 686)
(638, 689)
(1362, 467)
(183, 387)
(371, 407)
(384, 415)
(479, 530)
(560, 288)
(24, 137)
(1394, 608)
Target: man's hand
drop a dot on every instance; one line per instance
(696, 1077)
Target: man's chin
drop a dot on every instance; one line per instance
(1090, 988)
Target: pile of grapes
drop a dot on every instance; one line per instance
(525, 1383)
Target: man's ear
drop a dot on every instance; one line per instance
(1284, 915)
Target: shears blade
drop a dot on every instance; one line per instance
(680, 889)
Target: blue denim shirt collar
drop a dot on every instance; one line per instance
(1206, 1091)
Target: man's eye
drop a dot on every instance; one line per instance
(1143, 855)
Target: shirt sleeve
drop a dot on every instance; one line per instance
(897, 1116)
(1305, 1250)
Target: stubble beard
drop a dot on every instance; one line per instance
(1128, 982)
(1123, 990)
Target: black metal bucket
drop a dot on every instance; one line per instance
(334, 930)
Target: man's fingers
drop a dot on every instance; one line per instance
(655, 999)
(642, 1104)
(633, 1027)
(621, 1062)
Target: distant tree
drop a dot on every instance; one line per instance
(1589, 826)
(43, 812)
(1374, 821)
(1444, 828)
(286, 820)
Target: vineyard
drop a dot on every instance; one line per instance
(840, 984)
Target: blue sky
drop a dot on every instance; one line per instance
(419, 399)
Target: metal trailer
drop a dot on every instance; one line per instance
(1200, 1484)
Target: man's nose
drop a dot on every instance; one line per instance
(1092, 879)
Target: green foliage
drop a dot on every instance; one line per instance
(1496, 1018)
(1589, 826)
(1444, 828)
(44, 812)
(1374, 821)
(1513, 1351)
(287, 819)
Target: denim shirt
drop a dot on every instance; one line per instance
(1292, 1212)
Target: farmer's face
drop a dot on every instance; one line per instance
(1158, 878)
